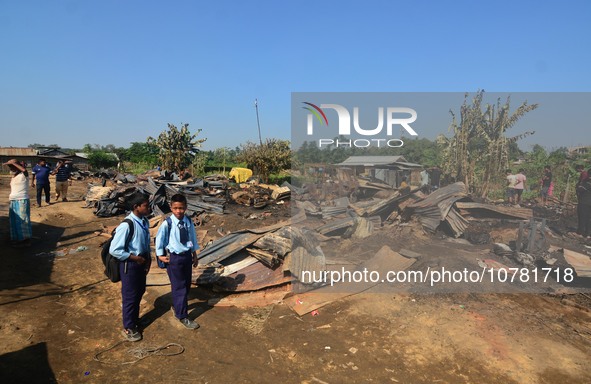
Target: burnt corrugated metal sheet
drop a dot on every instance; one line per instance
(436, 207)
(228, 245)
(252, 278)
(521, 213)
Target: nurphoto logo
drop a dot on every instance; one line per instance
(393, 117)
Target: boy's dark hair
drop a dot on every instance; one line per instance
(178, 198)
(508, 171)
(547, 167)
(136, 199)
(521, 170)
(40, 160)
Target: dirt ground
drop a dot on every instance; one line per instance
(58, 312)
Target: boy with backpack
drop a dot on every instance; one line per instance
(134, 262)
(177, 236)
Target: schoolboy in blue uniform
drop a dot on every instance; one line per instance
(181, 245)
(134, 263)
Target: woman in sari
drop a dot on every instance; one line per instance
(20, 206)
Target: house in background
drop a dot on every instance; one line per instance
(388, 169)
(80, 161)
(31, 155)
(28, 155)
(51, 152)
(581, 150)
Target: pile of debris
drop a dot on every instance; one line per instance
(259, 195)
(209, 195)
(263, 265)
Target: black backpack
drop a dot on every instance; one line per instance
(110, 262)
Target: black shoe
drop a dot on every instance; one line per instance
(132, 334)
(189, 324)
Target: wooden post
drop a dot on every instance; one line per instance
(543, 233)
(519, 237)
(532, 235)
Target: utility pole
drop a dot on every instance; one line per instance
(224, 160)
(256, 106)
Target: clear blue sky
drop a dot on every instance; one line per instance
(114, 72)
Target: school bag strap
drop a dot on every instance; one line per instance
(129, 234)
(169, 222)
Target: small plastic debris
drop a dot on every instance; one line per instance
(71, 331)
(315, 313)
(79, 249)
(353, 350)
(86, 373)
(462, 306)
(299, 302)
(60, 253)
(327, 348)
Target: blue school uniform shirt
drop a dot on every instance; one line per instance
(139, 244)
(174, 244)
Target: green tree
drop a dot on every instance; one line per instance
(177, 147)
(272, 156)
(480, 146)
(101, 159)
(198, 164)
(146, 153)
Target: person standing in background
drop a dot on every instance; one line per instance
(425, 186)
(435, 178)
(511, 181)
(519, 185)
(62, 179)
(41, 173)
(582, 173)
